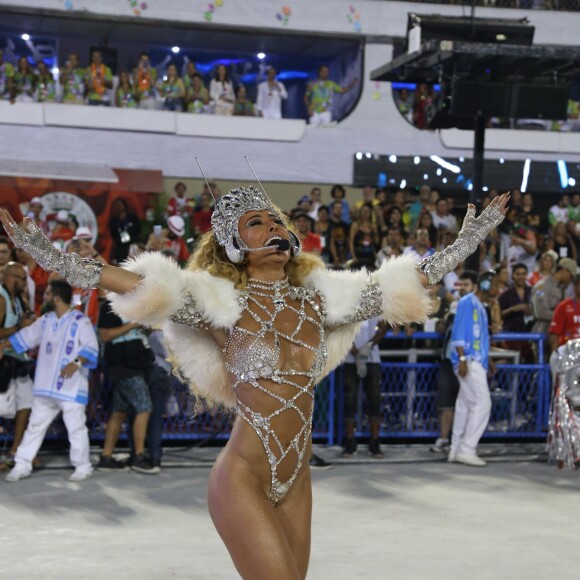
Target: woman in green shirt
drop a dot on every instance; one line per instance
(45, 86)
(172, 90)
(243, 107)
(23, 82)
(197, 95)
(125, 95)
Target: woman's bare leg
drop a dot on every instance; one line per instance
(295, 514)
(249, 525)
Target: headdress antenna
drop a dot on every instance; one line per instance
(255, 175)
(206, 181)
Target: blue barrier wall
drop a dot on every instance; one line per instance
(520, 401)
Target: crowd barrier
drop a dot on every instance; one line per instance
(520, 395)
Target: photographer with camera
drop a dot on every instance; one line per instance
(15, 384)
(125, 228)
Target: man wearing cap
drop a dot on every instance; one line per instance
(175, 241)
(549, 292)
(170, 239)
(62, 231)
(35, 208)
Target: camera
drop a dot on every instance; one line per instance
(125, 237)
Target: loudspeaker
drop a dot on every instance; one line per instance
(516, 101)
(538, 102)
(474, 99)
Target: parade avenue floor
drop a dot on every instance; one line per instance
(409, 516)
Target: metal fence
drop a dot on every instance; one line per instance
(182, 422)
(520, 393)
(520, 396)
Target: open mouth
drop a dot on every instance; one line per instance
(273, 241)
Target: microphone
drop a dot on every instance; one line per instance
(280, 245)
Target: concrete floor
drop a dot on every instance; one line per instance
(410, 516)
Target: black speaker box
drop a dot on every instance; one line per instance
(517, 101)
(539, 102)
(480, 98)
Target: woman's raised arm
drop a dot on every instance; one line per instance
(79, 272)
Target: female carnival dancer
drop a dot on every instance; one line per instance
(254, 324)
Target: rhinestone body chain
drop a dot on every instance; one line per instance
(253, 355)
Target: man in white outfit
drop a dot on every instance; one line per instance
(470, 359)
(271, 93)
(68, 348)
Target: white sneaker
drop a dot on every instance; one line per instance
(440, 445)
(80, 474)
(16, 474)
(468, 459)
(452, 456)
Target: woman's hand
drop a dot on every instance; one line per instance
(9, 223)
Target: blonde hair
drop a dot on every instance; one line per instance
(212, 258)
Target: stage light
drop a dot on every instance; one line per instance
(461, 159)
(563, 171)
(403, 184)
(439, 172)
(368, 155)
(359, 155)
(469, 186)
(444, 180)
(425, 176)
(571, 182)
(261, 55)
(55, 70)
(485, 188)
(416, 160)
(445, 164)
(393, 158)
(175, 49)
(525, 175)
(502, 161)
(25, 37)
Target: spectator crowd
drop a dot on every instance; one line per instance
(536, 286)
(147, 87)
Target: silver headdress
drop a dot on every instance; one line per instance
(227, 213)
(231, 207)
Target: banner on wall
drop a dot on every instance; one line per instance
(88, 204)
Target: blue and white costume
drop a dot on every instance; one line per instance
(60, 341)
(470, 331)
(473, 406)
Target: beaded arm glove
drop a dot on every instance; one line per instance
(78, 272)
(473, 232)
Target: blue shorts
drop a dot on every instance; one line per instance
(131, 395)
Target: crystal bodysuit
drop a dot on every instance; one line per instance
(275, 354)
